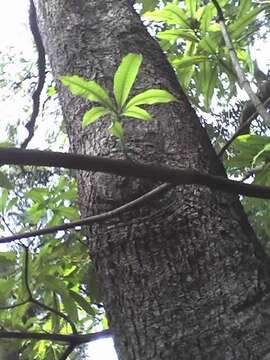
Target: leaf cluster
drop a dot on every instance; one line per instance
(195, 47)
(118, 107)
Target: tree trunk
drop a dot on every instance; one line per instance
(183, 277)
(9, 349)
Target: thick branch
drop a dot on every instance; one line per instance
(130, 169)
(72, 339)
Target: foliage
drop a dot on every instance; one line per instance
(57, 268)
(195, 47)
(250, 159)
(119, 107)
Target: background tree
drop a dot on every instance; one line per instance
(184, 274)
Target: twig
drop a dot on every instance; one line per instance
(37, 302)
(239, 130)
(243, 82)
(56, 312)
(130, 169)
(8, 307)
(7, 224)
(91, 219)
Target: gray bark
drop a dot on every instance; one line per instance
(9, 349)
(183, 277)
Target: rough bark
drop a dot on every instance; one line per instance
(9, 349)
(182, 277)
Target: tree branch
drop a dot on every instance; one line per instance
(240, 129)
(68, 351)
(37, 302)
(72, 339)
(41, 64)
(91, 219)
(127, 168)
(8, 307)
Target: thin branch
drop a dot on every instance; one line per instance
(7, 224)
(243, 82)
(68, 351)
(130, 169)
(7, 307)
(37, 302)
(239, 130)
(72, 339)
(56, 312)
(91, 219)
(41, 64)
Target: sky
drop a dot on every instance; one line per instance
(14, 32)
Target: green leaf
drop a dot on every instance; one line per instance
(263, 178)
(186, 61)
(116, 129)
(11, 203)
(207, 81)
(55, 220)
(209, 12)
(185, 75)
(35, 214)
(88, 89)
(6, 287)
(3, 200)
(255, 141)
(4, 181)
(149, 97)
(94, 114)
(125, 76)
(244, 7)
(67, 212)
(263, 155)
(239, 26)
(138, 113)
(170, 14)
(211, 84)
(51, 91)
(247, 147)
(70, 307)
(7, 263)
(84, 304)
(244, 56)
(59, 287)
(149, 5)
(191, 6)
(7, 256)
(70, 194)
(176, 34)
(210, 43)
(37, 195)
